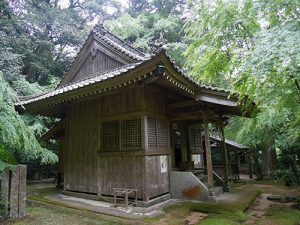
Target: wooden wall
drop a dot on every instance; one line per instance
(121, 171)
(128, 101)
(157, 182)
(155, 102)
(89, 170)
(100, 62)
(82, 146)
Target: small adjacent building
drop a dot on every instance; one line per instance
(238, 158)
(129, 120)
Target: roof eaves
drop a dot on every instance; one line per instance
(79, 84)
(231, 143)
(201, 86)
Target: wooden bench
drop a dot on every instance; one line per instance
(124, 193)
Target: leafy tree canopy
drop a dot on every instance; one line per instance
(251, 47)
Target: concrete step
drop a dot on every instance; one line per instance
(218, 190)
(203, 178)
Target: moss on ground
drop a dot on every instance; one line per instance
(218, 221)
(218, 213)
(53, 214)
(48, 212)
(44, 211)
(284, 215)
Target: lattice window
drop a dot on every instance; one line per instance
(111, 135)
(121, 135)
(196, 138)
(151, 126)
(157, 132)
(131, 133)
(162, 133)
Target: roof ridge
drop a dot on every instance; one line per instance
(99, 29)
(99, 73)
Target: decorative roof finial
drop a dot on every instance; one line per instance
(159, 43)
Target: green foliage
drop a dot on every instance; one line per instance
(284, 215)
(163, 8)
(7, 161)
(290, 165)
(269, 75)
(218, 29)
(251, 47)
(15, 135)
(142, 31)
(217, 221)
(6, 156)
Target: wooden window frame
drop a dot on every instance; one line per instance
(157, 148)
(120, 147)
(195, 149)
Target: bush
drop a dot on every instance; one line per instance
(6, 156)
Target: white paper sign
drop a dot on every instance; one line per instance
(198, 161)
(163, 164)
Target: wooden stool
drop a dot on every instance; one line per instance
(124, 192)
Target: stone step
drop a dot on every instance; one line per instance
(203, 178)
(218, 190)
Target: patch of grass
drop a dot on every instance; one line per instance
(47, 212)
(174, 214)
(226, 212)
(217, 221)
(246, 199)
(42, 190)
(232, 212)
(284, 215)
(49, 215)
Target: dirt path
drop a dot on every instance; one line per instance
(191, 218)
(259, 209)
(257, 212)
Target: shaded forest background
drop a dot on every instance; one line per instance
(250, 47)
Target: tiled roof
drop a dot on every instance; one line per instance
(231, 143)
(102, 35)
(179, 70)
(97, 78)
(114, 42)
(121, 46)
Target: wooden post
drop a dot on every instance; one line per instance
(183, 142)
(208, 156)
(256, 164)
(250, 164)
(237, 162)
(230, 174)
(226, 165)
(13, 189)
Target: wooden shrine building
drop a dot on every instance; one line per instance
(120, 111)
(239, 158)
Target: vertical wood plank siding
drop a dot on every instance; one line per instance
(101, 62)
(83, 144)
(155, 102)
(121, 171)
(157, 182)
(120, 103)
(91, 172)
